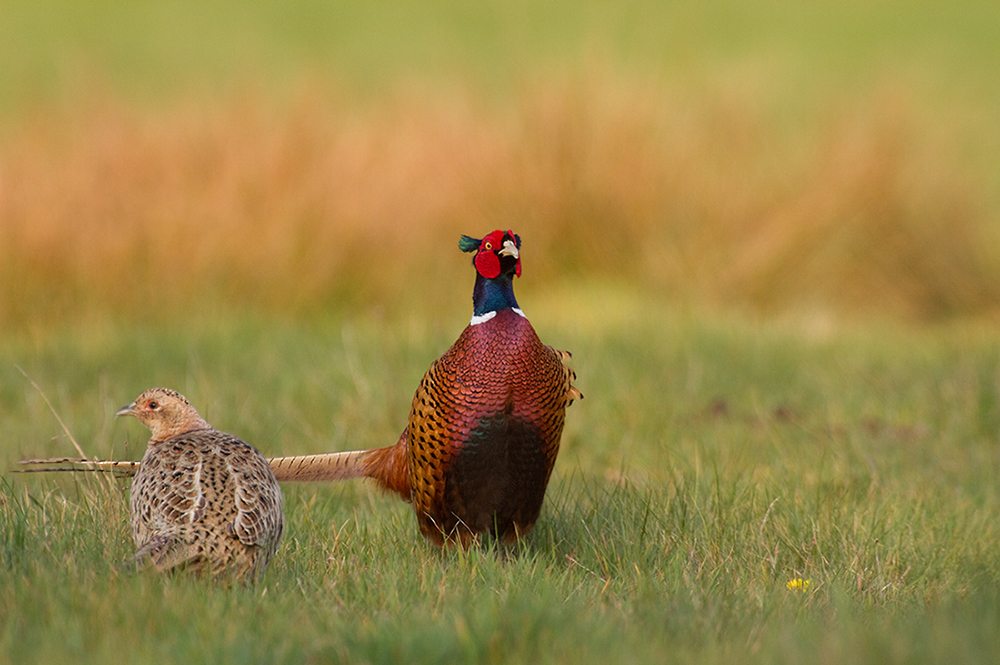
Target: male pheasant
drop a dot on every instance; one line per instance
(485, 422)
(484, 426)
(201, 499)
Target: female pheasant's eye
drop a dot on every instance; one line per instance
(153, 405)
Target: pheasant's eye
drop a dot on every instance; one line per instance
(488, 245)
(153, 405)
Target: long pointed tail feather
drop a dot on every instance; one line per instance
(387, 466)
(321, 467)
(304, 468)
(118, 467)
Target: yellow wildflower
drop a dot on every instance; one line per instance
(798, 584)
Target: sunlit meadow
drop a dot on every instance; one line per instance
(768, 233)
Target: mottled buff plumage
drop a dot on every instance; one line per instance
(201, 500)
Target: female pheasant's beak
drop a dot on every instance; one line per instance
(126, 410)
(509, 248)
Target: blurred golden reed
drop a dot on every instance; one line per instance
(322, 200)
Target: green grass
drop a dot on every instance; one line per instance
(711, 462)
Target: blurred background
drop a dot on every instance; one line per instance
(825, 158)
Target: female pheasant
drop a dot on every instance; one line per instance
(201, 499)
(485, 422)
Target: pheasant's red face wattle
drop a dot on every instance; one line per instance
(492, 246)
(487, 263)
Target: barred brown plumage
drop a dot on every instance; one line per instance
(485, 422)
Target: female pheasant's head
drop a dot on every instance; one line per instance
(165, 412)
(497, 262)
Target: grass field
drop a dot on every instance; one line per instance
(711, 465)
(767, 231)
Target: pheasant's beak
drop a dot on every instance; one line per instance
(126, 410)
(508, 249)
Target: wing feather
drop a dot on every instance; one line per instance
(257, 497)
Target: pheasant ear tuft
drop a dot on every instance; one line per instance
(467, 244)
